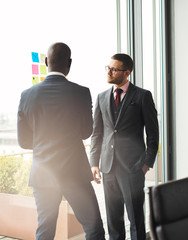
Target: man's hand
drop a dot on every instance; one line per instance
(96, 174)
(145, 168)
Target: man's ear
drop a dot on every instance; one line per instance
(69, 64)
(127, 73)
(46, 61)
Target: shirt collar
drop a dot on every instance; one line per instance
(56, 73)
(124, 87)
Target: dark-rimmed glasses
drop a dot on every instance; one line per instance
(114, 70)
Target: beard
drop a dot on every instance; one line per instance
(113, 80)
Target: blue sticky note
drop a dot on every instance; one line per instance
(35, 57)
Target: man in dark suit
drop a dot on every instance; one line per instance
(53, 118)
(118, 143)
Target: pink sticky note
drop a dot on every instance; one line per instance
(35, 69)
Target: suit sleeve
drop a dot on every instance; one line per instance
(151, 128)
(24, 132)
(86, 115)
(97, 136)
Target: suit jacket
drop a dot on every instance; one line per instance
(124, 140)
(53, 118)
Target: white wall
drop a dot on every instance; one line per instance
(181, 78)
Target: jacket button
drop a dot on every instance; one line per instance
(115, 131)
(112, 146)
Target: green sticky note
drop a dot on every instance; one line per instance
(42, 58)
(35, 80)
(43, 70)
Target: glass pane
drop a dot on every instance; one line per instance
(31, 26)
(152, 77)
(151, 67)
(85, 26)
(124, 24)
(88, 27)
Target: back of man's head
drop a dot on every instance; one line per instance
(59, 58)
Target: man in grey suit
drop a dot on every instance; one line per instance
(118, 145)
(53, 118)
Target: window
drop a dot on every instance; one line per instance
(154, 74)
(88, 27)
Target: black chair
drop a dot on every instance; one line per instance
(168, 205)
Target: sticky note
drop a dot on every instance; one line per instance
(35, 69)
(35, 57)
(42, 79)
(35, 80)
(43, 70)
(42, 58)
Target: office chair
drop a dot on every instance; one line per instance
(168, 205)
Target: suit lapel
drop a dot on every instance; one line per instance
(108, 96)
(127, 100)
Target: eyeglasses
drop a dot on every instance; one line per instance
(114, 70)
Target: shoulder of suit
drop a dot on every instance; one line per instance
(32, 88)
(139, 89)
(78, 86)
(105, 92)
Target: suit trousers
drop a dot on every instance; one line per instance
(83, 201)
(124, 188)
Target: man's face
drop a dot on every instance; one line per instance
(114, 76)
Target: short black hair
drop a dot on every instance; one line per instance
(125, 59)
(58, 55)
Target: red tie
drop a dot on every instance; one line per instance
(118, 94)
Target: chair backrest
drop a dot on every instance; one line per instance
(168, 205)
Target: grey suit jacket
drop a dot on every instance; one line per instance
(124, 139)
(53, 118)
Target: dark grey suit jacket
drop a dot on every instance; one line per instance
(124, 139)
(53, 118)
